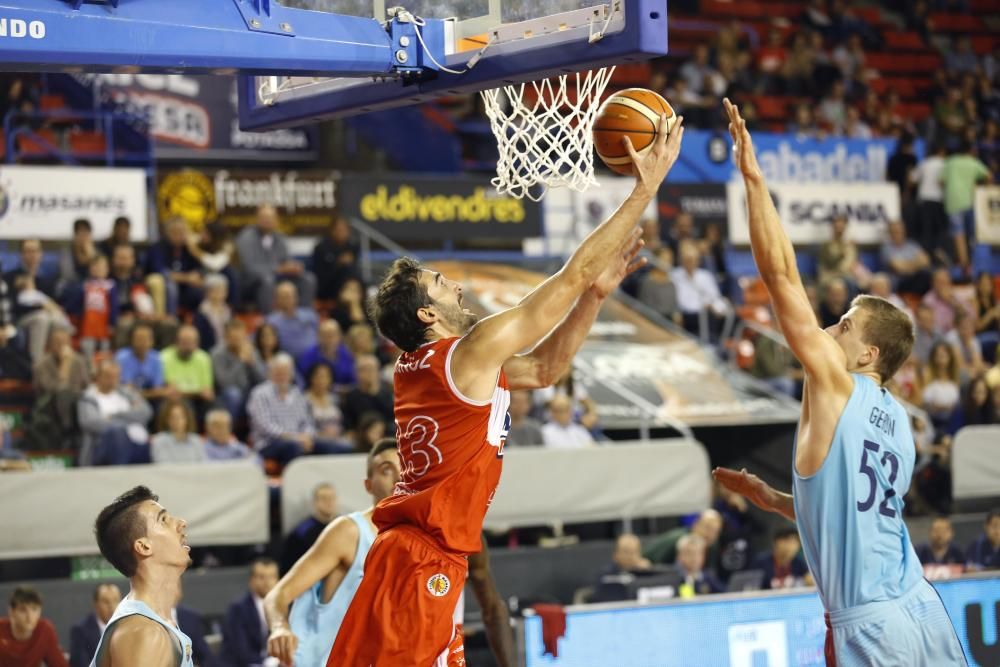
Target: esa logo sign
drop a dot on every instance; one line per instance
(19, 28)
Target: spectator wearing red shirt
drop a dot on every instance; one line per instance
(27, 639)
(99, 308)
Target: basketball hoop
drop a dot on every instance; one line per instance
(544, 132)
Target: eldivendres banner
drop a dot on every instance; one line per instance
(306, 200)
(43, 202)
(197, 118)
(707, 158)
(806, 210)
(782, 630)
(408, 207)
(627, 357)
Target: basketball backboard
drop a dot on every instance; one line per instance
(485, 44)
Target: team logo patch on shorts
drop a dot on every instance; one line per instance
(438, 585)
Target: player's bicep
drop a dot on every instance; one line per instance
(335, 546)
(523, 371)
(822, 359)
(137, 640)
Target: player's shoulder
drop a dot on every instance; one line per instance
(140, 635)
(340, 537)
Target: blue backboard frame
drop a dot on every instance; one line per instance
(643, 37)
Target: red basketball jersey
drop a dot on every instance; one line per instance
(450, 447)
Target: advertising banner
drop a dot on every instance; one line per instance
(705, 202)
(806, 211)
(196, 118)
(306, 200)
(988, 214)
(707, 158)
(635, 371)
(407, 207)
(43, 202)
(772, 628)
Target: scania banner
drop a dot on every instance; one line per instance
(408, 207)
(634, 370)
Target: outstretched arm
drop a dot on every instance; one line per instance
(335, 547)
(754, 489)
(550, 360)
(823, 360)
(497, 338)
(495, 615)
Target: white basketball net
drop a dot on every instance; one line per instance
(543, 132)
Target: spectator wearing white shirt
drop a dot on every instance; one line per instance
(931, 224)
(113, 420)
(698, 292)
(560, 432)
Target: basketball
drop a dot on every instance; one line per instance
(635, 113)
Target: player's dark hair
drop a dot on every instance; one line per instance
(394, 308)
(81, 223)
(262, 561)
(785, 533)
(993, 514)
(382, 445)
(889, 329)
(119, 525)
(24, 595)
(122, 221)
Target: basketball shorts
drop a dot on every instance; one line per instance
(403, 612)
(911, 631)
(454, 655)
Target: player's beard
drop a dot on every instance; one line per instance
(455, 318)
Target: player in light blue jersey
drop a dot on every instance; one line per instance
(149, 546)
(854, 455)
(323, 582)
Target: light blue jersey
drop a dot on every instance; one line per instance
(316, 624)
(130, 607)
(850, 519)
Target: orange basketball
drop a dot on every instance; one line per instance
(633, 112)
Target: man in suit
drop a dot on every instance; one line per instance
(86, 634)
(245, 630)
(193, 625)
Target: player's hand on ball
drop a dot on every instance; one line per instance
(746, 159)
(653, 166)
(623, 263)
(282, 644)
(751, 487)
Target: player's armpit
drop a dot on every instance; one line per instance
(822, 359)
(334, 548)
(137, 640)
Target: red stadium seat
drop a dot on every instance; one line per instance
(942, 22)
(34, 144)
(914, 110)
(632, 74)
(48, 103)
(870, 15)
(904, 41)
(983, 44)
(87, 143)
(907, 87)
(751, 10)
(888, 63)
(985, 6)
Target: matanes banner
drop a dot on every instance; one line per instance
(806, 210)
(306, 200)
(43, 202)
(196, 118)
(625, 356)
(409, 207)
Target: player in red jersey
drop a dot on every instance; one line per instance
(452, 389)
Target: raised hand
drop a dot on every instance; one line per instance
(652, 167)
(746, 159)
(623, 263)
(751, 487)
